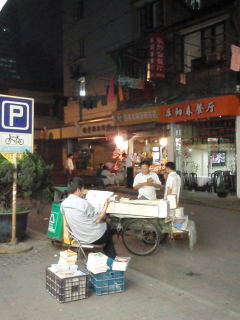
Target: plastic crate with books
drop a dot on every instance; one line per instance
(107, 275)
(66, 287)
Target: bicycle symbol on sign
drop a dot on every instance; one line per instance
(14, 139)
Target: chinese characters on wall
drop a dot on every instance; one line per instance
(190, 110)
(150, 115)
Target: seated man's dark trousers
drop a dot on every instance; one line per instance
(106, 238)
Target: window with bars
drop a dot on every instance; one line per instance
(204, 46)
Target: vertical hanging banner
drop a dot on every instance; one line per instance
(16, 124)
(157, 57)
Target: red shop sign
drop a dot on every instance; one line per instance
(157, 57)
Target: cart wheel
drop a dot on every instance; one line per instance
(141, 237)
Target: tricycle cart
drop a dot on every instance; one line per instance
(142, 235)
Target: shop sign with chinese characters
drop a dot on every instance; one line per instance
(228, 105)
(136, 116)
(157, 57)
(95, 129)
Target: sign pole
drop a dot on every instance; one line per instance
(14, 200)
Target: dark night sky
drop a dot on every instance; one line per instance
(37, 33)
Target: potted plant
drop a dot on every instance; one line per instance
(33, 182)
(222, 190)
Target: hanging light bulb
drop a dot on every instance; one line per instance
(163, 141)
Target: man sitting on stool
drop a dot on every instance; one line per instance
(87, 225)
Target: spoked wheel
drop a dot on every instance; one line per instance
(141, 237)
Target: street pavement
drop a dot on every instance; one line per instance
(172, 283)
(23, 294)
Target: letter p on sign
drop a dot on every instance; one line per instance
(15, 115)
(14, 112)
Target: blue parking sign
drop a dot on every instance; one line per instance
(16, 124)
(16, 114)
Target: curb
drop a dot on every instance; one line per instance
(36, 235)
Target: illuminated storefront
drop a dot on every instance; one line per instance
(147, 139)
(204, 135)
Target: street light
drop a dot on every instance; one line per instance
(2, 4)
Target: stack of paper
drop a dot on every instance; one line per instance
(97, 262)
(163, 208)
(67, 258)
(172, 198)
(120, 263)
(65, 271)
(178, 212)
(98, 198)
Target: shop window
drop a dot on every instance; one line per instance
(204, 47)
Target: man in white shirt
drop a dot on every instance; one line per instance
(173, 183)
(129, 170)
(69, 167)
(87, 224)
(146, 182)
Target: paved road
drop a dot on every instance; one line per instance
(173, 282)
(23, 295)
(211, 270)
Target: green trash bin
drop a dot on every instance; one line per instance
(55, 226)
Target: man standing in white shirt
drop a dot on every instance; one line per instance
(146, 182)
(173, 183)
(129, 170)
(69, 167)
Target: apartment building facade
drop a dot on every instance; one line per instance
(149, 70)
